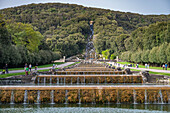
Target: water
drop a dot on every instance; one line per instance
(84, 108)
(12, 97)
(146, 102)
(134, 96)
(25, 97)
(160, 93)
(38, 97)
(52, 97)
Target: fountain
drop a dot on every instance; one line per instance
(87, 83)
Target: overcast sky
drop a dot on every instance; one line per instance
(134, 6)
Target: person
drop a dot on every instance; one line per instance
(163, 66)
(166, 66)
(146, 65)
(137, 65)
(3, 71)
(26, 70)
(6, 68)
(30, 66)
(25, 64)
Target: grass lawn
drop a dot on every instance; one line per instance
(39, 66)
(23, 73)
(155, 73)
(12, 74)
(142, 66)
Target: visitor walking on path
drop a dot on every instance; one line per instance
(36, 67)
(26, 70)
(163, 66)
(30, 66)
(166, 66)
(6, 68)
(146, 65)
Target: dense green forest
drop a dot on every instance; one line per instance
(63, 29)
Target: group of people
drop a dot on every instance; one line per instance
(147, 65)
(165, 66)
(28, 68)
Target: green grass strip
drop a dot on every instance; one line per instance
(12, 74)
(142, 66)
(155, 73)
(40, 66)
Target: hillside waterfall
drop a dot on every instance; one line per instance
(90, 50)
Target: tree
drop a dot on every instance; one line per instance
(112, 57)
(145, 56)
(106, 54)
(168, 53)
(153, 56)
(24, 34)
(162, 53)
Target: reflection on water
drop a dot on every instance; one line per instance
(84, 108)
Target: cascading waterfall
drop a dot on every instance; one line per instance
(12, 97)
(90, 50)
(71, 81)
(64, 80)
(52, 97)
(38, 97)
(25, 97)
(134, 97)
(58, 81)
(146, 102)
(79, 97)
(160, 93)
(50, 80)
(66, 97)
(77, 80)
(44, 80)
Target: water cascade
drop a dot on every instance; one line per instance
(38, 97)
(58, 81)
(44, 80)
(66, 97)
(25, 97)
(52, 97)
(134, 96)
(146, 102)
(79, 97)
(12, 97)
(160, 93)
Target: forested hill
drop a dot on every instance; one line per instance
(65, 27)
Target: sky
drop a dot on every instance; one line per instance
(145, 7)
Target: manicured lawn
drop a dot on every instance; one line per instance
(39, 66)
(142, 66)
(155, 73)
(12, 74)
(23, 73)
